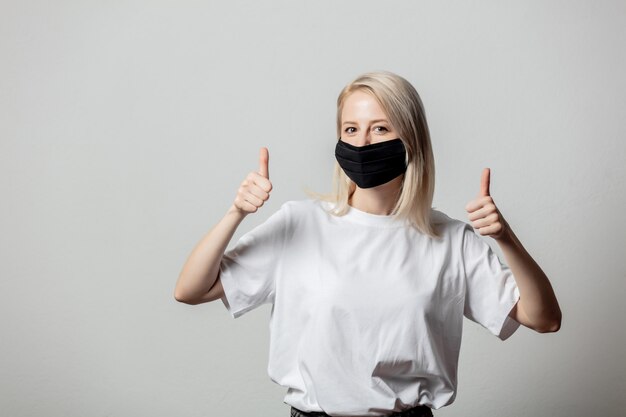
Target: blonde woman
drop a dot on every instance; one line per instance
(370, 284)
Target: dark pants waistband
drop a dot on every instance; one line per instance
(419, 411)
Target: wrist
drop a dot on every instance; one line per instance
(236, 212)
(507, 237)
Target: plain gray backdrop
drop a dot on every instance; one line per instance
(127, 126)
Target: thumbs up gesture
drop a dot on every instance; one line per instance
(255, 188)
(483, 213)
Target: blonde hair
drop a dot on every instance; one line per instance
(402, 104)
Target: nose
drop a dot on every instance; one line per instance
(363, 138)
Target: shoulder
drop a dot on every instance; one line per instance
(307, 212)
(298, 205)
(463, 235)
(297, 209)
(305, 205)
(459, 235)
(449, 226)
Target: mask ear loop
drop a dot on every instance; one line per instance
(406, 154)
(406, 164)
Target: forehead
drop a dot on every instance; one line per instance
(361, 105)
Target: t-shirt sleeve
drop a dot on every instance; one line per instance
(490, 291)
(248, 270)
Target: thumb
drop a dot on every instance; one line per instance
(484, 182)
(264, 158)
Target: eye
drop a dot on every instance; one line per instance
(381, 129)
(350, 129)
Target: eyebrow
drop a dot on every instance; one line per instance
(373, 121)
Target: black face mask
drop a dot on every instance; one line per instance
(372, 165)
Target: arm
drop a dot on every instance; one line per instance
(537, 307)
(199, 282)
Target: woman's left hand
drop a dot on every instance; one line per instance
(483, 213)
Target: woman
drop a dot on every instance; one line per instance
(369, 284)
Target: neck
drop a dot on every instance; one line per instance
(378, 200)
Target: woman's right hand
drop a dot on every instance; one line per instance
(199, 280)
(255, 188)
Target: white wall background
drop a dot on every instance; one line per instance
(127, 126)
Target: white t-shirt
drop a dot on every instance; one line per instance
(367, 311)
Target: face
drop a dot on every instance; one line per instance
(363, 121)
